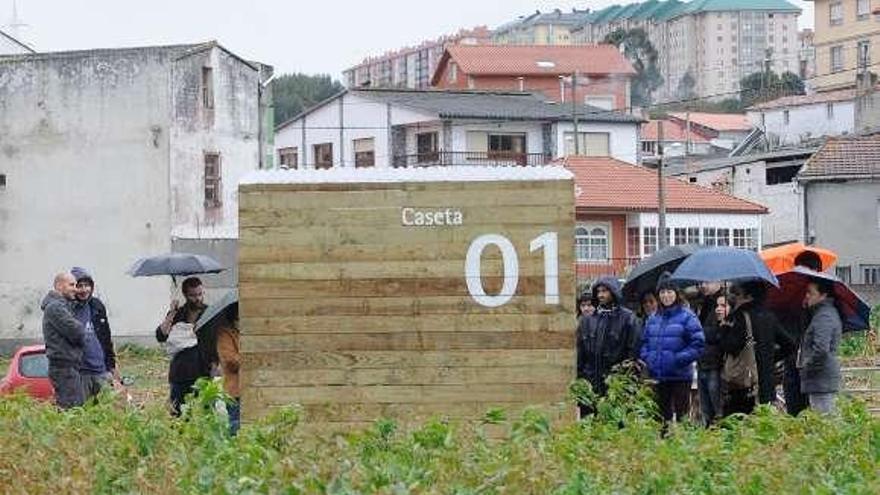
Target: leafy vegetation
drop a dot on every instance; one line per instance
(759, 87)
(293, 93)
(639, 50)
(112, 448)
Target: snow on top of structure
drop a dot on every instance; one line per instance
(416, 174)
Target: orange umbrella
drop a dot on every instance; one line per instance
(780, 259)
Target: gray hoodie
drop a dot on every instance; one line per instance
(62, 332)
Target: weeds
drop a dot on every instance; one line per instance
(110, 448)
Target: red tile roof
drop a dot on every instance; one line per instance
(530, 60)
(717, 121)
(842, 157)
(606, 184)
(814, 99)
(673, 130)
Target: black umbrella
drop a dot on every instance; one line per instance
(854, 311)
(227, 305)
(176, 264)
(643, 277)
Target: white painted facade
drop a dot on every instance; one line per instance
(342, 120)
(793, 125)
(713, 229)
(103, 155)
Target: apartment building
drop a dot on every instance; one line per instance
(409, 67)
(715, 42)
(806, 54)
(550, 28)
(847, 39)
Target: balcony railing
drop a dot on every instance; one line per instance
(490, 158)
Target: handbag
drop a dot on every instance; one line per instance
(741, 371)
(182, 336)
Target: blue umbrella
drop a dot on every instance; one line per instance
(724, 264)
(854, 311)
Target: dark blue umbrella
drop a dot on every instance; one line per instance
(854, 311)
(643, 277)
(724, 264)
(176, 264)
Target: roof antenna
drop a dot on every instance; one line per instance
(15, 23)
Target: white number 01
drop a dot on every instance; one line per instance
(473, 268)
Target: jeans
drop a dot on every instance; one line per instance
(823, 403)
(179, 390)
(92, 383)
(233, 409)
(67, 383)
(710, 394)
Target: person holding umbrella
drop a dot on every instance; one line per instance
(817, 357)
(672, 341)
(190, 356)
(221, 320)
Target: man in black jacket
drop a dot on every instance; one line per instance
(611, 335)
(190, 363)
(99, 357)
(63, 335)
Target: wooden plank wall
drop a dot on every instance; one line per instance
(355, 316)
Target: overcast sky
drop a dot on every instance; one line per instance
(311, 36)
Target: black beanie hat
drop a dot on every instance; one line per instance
(665, 282)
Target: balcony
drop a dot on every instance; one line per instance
(484, 158)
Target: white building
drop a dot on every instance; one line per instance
(791, 120)
(388, 128)
(767, 178)
(110, 155)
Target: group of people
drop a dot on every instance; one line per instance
(82, 360)
(738, 350)
(78, 341)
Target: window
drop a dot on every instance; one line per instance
(649, 147)
(589, 143)
(212, 180)
(591, 243)
(871, 274)
(692, 180)
(836, 58)
(710, 236)
(453, 72)
(507, 143)
(780, 175)
(863, 9)
(863, 53)
(844, 273)
(207, 87)
(364, 153)
(2, 181)
(745, 238)
(633, 243)
(650, 237)
(288, 157)
(723, 237)
(686, 235)
(426, 147)
(34, 365)
(604, 102)
(785, 117)
(835, 14)
(323, 155)
(829, 110)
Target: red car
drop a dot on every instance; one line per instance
(29, 371)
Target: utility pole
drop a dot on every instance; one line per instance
(687, 140)
(574, 117)
(661, 190)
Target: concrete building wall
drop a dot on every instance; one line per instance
(805, 121)
(230, 128)
(845, 217)
(623, 142)
(84, 145)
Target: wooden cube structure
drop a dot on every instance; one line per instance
(407, 293)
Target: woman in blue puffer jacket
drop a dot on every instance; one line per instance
(672, 341)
